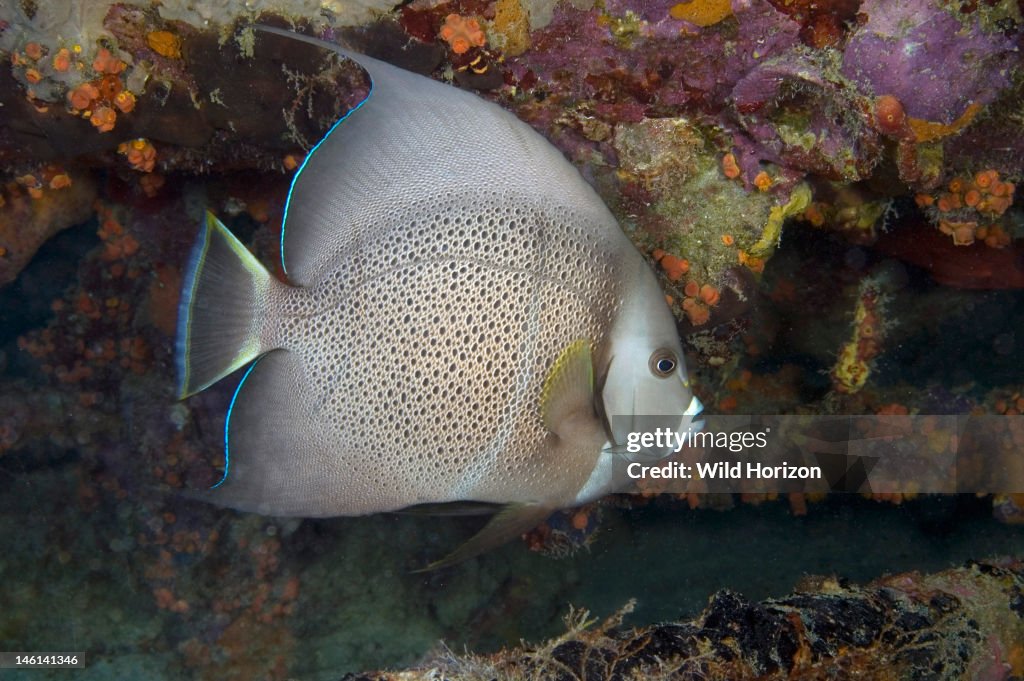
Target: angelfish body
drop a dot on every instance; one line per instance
(465, 318)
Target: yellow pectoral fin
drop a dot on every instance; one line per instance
(569, 387)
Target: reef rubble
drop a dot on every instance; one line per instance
(771, 95)
(963, 623)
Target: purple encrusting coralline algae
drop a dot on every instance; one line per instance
(679, 68)
(798, 114)
(935, 62)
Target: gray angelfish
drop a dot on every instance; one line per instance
(464, 318)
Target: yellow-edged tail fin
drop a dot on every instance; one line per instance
(223, 300)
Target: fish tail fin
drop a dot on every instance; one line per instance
(223, 299)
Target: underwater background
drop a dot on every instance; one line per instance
(826, 190)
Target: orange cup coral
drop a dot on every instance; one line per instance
(675, 267)
(105, 62)
(709, 294)
(763, 181)
(34, 51)
(103, 118)
(141, 154)
(62, 60)
(60, 181)
(462, 33)
(125, 101)
(729, 167)
(82, 96)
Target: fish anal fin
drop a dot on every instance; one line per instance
(569, 387)
(453, 508)
(508, 524)
(273, 462)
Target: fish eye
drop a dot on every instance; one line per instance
(662, 363)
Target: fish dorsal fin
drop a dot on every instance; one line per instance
(508, 524)
(569, 387)
(411, 144)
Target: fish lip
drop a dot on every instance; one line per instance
(687, 418)
(696, 407)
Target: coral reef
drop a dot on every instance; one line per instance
(149, 87)
(784, 109)
(665, 170)
(962, 623)
(857, 355)
(969, 202)
(976, 265)
(36, 206)
(938, 61)
(801, 116)
(775, 92)
(769, 157)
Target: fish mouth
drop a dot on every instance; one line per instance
(634, 453)
(695, 409)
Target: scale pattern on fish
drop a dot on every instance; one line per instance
(463, 319)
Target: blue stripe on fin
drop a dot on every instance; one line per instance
(181, 342)
(298, 173)
(227, 425)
